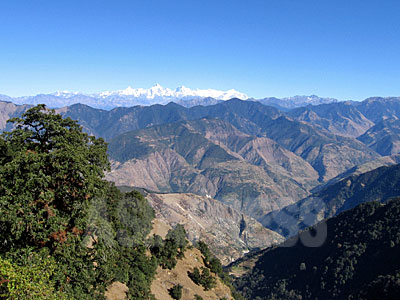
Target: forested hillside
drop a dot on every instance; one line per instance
(357, 259)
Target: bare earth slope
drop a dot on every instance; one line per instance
(166, 279)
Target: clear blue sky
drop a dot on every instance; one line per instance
(346, 49)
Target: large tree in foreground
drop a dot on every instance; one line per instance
(49, 171)
(58, 214)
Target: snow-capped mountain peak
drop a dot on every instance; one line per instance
(156, 94)
(182, 92)
(65, 94)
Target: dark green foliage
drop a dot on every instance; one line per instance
(359, 260)
(211, 262)
(136, 270)
(197, 297)
(227, 280)
(215, 266)
(168, 255)
(50, 172)
(176, 292)
(203, 278)
(134, 219)
(207, 280)
(178, 236)
(384, 287)
(168, 250)
(203, 247)
(195, 276)
(123, 256)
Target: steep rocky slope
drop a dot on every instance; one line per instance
(211, 157)
(378, 109)
(341, 118)
(228, 233)
(384, 137)
(311, 135)
(329, 154)
(10, 110)
(380, 184)
(383, 161)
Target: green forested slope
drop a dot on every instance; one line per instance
(358, 260)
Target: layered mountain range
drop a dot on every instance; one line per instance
(381, 184)
(211, 157)
(243, 175)
(253, 157)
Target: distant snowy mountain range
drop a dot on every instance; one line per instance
(157, 95)
(296, 101)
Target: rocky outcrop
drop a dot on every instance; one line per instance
(10, 110)
(228, 233)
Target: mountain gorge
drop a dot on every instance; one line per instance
(228, 233)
